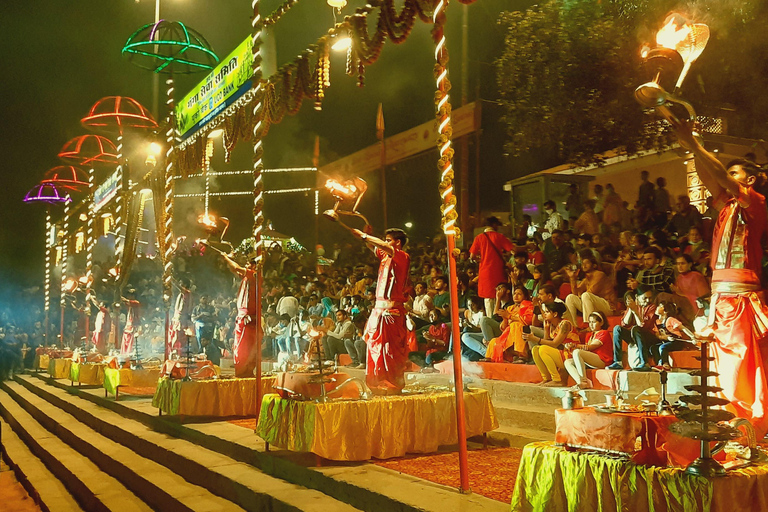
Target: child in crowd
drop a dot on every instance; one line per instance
(672, 333)
(596, 352)
(547, 351)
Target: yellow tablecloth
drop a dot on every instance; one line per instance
(59, 368)
(381, 428)
(551, 478)
(127, 377)
(42, 361)
(90, 374)
(215, 397)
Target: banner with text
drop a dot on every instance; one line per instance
(225, 84)
(105, 192)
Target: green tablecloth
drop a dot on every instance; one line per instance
(554, 479)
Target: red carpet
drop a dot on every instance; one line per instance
(492, 472)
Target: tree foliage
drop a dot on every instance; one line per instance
(569, 68)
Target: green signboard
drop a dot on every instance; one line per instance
(225, 84)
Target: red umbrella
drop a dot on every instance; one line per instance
(116, 114)
(89, 150)
(66, 177)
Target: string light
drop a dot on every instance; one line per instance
(445, 130)
(168, 200)
(258, 151)
(119, 203)
(48, 250)
(89, 237)
(64, 256)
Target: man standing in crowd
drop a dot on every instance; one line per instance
(204, 317)
(554, 220)
(489, 247)
(738, 318)
(335, 341)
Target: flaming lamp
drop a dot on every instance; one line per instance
(678, 44)
(350, 191)
(216, 228)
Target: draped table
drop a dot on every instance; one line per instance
(645, 438)
(382, 427)
(90, 374)
(552, 478)
(209, 397)
(126, 377)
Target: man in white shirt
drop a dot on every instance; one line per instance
(334, 341)
(422, 303)
(554, 220)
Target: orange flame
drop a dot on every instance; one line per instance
(207, 220)
(339, 190)
(671, 34)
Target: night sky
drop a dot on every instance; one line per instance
(61, 57)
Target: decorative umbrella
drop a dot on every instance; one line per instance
(66, 177)
(170, 47)
(46, 192)
(116, 113)
(89, 150)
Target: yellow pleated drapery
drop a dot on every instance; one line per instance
(133, 378)
(381, 428)
(90, 374)
(552, 478)
(59, 368)
(210, 397)
(42, 361)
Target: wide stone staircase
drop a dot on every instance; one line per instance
(74, 449)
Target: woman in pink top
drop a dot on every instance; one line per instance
(690, 283)
(597, 352)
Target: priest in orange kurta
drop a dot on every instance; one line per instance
(738, 314)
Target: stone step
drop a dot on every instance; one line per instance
(155, 484)
(93, 489)
(533, 417)
(363, 485)
(43, 487)
(516, 437)
(237, 482)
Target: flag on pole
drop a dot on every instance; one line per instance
(316, 153)
(380, 123)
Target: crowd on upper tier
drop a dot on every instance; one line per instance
(565, 295)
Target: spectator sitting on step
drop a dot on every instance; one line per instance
(356, 347)
(516, 316)
(334, 342)
(636, 328)
(672, 333)
(490, 327)
(593, 293)
(595, 352)
(547, 351)
(422, 304)
(435, 348)
(535, 256)
(520, 276)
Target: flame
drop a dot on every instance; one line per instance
(671, 34)
(207, 220)
(339, 190)
(70, 285)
